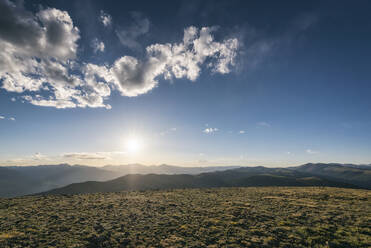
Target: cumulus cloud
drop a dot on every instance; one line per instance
(37, 53)
(210, 130)
(97, 45)
(2, 117)
(105, 19)
(242, 131)
(133, 77)
(12, 118)
(128, 36)
(38, 59)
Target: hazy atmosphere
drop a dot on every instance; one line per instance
(190, 83)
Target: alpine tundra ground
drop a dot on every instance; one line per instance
(220, 217)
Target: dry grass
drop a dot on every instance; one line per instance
(227, 217)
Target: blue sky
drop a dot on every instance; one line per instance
(281, 83)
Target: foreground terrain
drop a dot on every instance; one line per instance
(223, 217)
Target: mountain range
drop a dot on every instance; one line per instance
(74, 179)
(24, 180)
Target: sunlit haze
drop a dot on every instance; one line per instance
(134, 144)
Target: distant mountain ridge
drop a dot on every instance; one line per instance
(240, 177)
(164, 169)
(32, 179)
(23, 180)
(359, 175)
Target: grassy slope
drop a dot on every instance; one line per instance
(232, 217)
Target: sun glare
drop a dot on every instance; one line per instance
(133, 144)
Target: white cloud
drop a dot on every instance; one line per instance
(128, 36)
(133, 77)
(97, 45)
(242, 131)
(263, 124)
(85, 156)
(30, 159)
(13, 99)
(91, 155)
(210, 130)
(10, 118)
(39, 156)
(105, 19)
(309, 151)
(38, 55)
(35, 55)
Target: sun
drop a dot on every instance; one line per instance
(134, 144)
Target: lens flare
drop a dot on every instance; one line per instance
(133, 144)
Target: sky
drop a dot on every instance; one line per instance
(190, 83)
